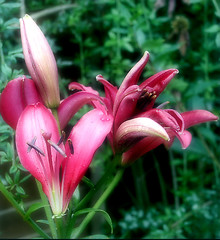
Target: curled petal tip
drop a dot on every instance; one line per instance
(132, 131)
(146, 53)
(98, 77)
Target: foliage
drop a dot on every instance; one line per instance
(107, 37)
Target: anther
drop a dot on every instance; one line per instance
(37, 149)
(32, 143)
(145, 98)
(71, 146)
(57, 148)
(61, 138)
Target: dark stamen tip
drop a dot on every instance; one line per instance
(71, 146)
(37, 149)
(63, 135)
(32, 143)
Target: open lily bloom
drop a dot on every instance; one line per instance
(132, 101)
(132, 106)
(57, 166)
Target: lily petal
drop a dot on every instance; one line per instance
(159, 80)
(78, 86)
(185, 138)
(87, 136)
(17, 94)
(132, 131)
(34, 121)
(72, 104)
(110, 90)
(139, 149)
(127, 105)
(131, 78)
(134, 74)
(194, 117)
(167, 118)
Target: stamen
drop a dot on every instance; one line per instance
(63, 135)
(145, 98)
(32, 142)
(31, 145)
(71, 146)
(163, 104)
(56, 147)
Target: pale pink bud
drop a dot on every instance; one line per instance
(40, 61)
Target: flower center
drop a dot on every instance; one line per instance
(145, 99)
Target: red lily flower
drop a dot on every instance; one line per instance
(132, 101)
(57, 166)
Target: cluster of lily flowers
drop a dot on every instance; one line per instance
(126, 116)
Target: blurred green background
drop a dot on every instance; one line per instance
(165, 194)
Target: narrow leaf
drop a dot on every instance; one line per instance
(34, 207)
(88, 210)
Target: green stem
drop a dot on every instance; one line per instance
(161, 181)
(28, 219)
(174, 178)
(101, 183)
(48, 211)
(55, 114)
(95, 192)
(100, 201)
(60, 227)
(140, 184)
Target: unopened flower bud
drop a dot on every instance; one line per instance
(40, 61)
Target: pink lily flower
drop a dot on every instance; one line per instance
(40, 61)
(132, 102)
(17, 94)
(57, 166)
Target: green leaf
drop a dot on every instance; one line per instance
(20, 190)
(213, 29)
(8, 179)
(88, 182)
(17, 176)
(88, 210)
(34, 207)
(42, 221)
(13, 169)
